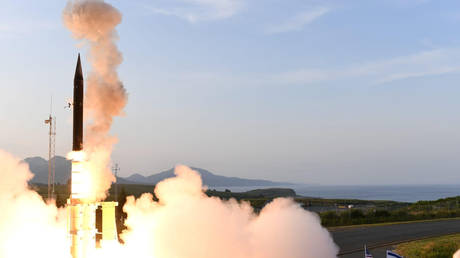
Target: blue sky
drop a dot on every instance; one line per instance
(330, 92)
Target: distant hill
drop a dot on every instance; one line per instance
(39, 167)
(208, 178)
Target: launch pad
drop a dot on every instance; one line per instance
(85, 236)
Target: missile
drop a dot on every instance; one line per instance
(81, 205)
(78, 108)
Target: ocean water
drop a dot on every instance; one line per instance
(402, 193)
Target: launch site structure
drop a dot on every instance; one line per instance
(51, 153)
(81, 205)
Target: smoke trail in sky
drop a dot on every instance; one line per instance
(93, 22)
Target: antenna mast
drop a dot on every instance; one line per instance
(51, 152)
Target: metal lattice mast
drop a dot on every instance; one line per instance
(51, 153)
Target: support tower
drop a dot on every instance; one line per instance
(51, 153)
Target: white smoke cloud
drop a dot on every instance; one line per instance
(184, 223)
(187, 223)
(28, 226)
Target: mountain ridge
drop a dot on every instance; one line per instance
(39, 167)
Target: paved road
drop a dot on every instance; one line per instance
(352, 240)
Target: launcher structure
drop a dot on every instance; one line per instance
(81, 205)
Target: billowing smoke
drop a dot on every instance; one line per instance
(187, 223)
(184, 223)
(93, 22)
(28, 226)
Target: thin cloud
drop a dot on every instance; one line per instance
(407, 3)
(299, 21)
(435, 62)
(426, 63)
(198, 10)
(12, 29)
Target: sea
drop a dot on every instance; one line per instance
(400, 193)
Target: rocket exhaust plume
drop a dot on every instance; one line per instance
(457, 254)
(27, 223)
(94, 23)
(184, 223)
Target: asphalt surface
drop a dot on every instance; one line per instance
(379, 238)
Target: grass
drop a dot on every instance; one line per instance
(437, 247)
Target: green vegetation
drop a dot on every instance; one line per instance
(268, 193)
(393, 212)
(371, 216)
(340, 204)
(439, 247)
(445, 204)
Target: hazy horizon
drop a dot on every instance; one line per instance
(282, 183)
(324, 92)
